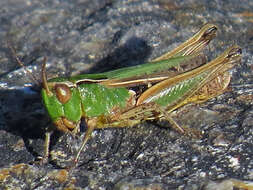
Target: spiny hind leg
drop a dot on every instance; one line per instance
(151, 111)
(185, 130)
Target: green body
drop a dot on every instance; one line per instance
(92, 99)
(105, 95)
(128, 96)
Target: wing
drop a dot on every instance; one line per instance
(181, 59)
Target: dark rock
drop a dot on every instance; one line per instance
(84, 37)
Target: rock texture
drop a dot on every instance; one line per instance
(83, 37)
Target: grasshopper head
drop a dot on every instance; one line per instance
(62, 103)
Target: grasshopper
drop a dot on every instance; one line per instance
(128, 96)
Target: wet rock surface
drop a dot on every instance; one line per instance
(84, 37)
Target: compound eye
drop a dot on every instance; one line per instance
(63, 93)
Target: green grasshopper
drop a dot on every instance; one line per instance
(128, 96)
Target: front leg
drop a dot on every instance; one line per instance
(44, 160)
(91, 125)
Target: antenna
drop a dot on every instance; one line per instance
(44, 77)
(32, 77)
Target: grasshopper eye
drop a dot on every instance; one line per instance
(63, 93)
